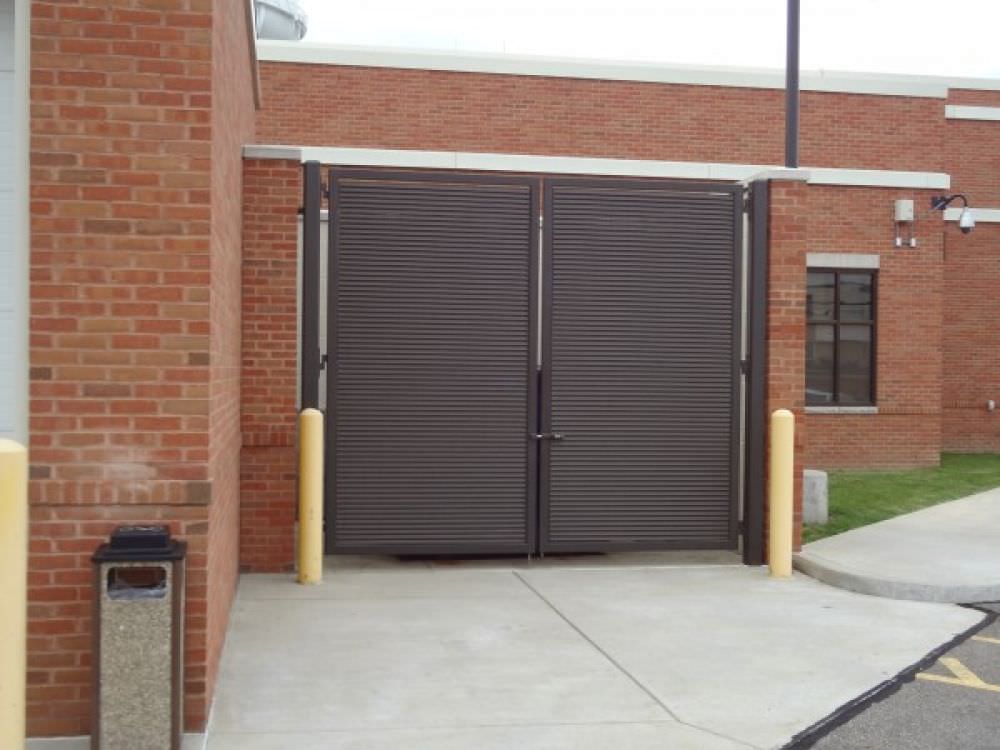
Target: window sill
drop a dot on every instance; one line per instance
(841, 410)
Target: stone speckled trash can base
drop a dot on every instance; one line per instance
(138, 646)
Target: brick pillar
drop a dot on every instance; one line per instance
(786, 316)
(272, 194)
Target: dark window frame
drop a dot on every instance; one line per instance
(836, 323)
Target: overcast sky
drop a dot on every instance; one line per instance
(896, 36)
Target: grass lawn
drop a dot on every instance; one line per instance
(858, 498)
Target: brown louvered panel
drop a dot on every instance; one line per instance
(431, 389)
(641, 371)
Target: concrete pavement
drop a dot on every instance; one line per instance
(578, 656)
(951, 704)
(945, 553)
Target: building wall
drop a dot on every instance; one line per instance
(906, 431)
(134, 319)
(436, 110)
(232, 121)
(972, 277)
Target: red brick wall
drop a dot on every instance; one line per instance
(272, 195)
(907, 429)
(788, 235)
(971, 354)
(388, 108)
(233, 116)
(133, 362)
(972, 278)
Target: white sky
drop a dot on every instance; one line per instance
(959, 38)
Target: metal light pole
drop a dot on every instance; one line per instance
(792, 87)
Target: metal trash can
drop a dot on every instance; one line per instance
(138, 640)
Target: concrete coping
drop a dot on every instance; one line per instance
(587, 165)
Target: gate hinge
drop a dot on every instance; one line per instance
(325, 190)
(323, 359)
(744, 366)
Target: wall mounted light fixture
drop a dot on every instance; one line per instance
(966, 222)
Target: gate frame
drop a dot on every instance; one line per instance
(758, 194)
(746, 532)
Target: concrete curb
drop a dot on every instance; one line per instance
(890, 588)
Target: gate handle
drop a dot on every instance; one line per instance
(548, 436)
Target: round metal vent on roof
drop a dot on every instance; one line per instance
(280, 19)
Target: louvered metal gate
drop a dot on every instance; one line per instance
(641, 370)
(431, 387)
(436, 428)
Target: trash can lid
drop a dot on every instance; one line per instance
(140, 543)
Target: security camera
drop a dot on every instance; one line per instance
(966, 222)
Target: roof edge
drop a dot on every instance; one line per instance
(883, 84)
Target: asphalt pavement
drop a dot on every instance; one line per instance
(952, 703)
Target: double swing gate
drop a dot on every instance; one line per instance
(524, 364)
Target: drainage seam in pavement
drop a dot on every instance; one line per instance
(622, 669)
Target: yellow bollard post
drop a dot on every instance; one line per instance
(13, 591)
(781, 493)
(310, 496)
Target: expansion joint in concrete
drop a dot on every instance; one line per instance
(617, 665)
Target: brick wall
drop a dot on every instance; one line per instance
(419, 109)
(133, 400)
(907, 429)
(272, 196)
(233, 120)
(972, 277)
(971, 355)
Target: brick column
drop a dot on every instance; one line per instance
(786, 316)
(272, 194)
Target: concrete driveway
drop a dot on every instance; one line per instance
(534, 656)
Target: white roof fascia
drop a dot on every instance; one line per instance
(879, 178)
(585, 165)
(966, 112)
(884, 84)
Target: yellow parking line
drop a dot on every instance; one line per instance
(986, 639)
(963, 676)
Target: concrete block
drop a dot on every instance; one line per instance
(815, 497)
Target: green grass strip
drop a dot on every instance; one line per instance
(858, 498)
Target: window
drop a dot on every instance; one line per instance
(840, 337)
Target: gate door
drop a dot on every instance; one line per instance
(641, 366)
(432, 389)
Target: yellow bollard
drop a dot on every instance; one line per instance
(311, 496)
(13, 590)
(781, 491)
